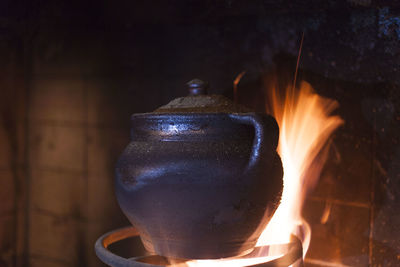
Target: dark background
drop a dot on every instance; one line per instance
(72, 73)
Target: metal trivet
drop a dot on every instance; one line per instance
(292, 252)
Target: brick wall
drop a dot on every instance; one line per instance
(75, 138)
(350, 210)
(12, 153)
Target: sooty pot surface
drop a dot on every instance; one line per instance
(201, 177)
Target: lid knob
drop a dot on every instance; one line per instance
(197, 87)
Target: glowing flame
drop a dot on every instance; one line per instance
(305, 126)
(235, 84)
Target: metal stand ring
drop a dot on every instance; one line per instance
(293, 251)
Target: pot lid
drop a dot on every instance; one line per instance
(199, 102)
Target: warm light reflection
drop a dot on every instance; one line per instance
(305, 126)
(230, 262)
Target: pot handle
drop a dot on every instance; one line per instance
(266, 135)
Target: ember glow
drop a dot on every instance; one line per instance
(305, 126)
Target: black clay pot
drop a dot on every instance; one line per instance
(201, 177)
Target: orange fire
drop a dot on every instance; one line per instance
(305, 124)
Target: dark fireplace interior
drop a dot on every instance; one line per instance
(72, 73)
